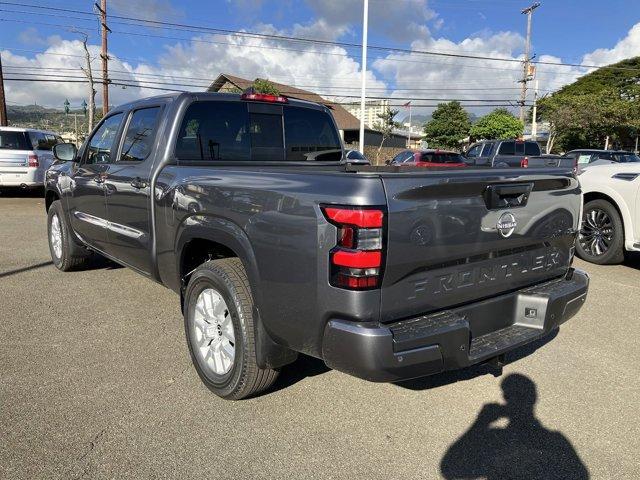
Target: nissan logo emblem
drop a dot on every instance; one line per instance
(506, 224)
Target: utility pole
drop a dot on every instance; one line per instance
(102, 8)
(4, 121)
(527, 59)
(534, 117)
(365, 23)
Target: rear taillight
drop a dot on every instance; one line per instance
(33, 161)
(356, 260)
(525, 162)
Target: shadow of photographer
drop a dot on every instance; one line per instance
(522, 448)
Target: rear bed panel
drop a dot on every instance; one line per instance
(444, 247)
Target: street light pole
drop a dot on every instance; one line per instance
(365, 23)
(527, 52)
(4, 121)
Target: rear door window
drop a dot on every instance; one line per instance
(531, 148)
(310, 135)
(487, 150)
(214, 131)
(140, 135)
(507, 148)
(10, 140)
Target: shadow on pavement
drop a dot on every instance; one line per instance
(25, 269)
(302, 368)
(523, 448)
(446, 378)
(96, 262)
(632, 259)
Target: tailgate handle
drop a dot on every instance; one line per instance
(507, 195)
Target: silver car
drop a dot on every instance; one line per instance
(25, 156)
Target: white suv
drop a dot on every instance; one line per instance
(25, 156)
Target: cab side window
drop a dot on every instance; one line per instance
(474, 151)
(101, 145)
(140, 135)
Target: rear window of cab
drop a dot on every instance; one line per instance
(230, 131)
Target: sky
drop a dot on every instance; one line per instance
(43, 42)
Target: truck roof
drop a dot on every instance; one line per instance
(215, 96)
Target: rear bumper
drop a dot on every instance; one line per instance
(455, 338)
(21, 176)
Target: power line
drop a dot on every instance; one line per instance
(203, 29)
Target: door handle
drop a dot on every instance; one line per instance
(138, 183)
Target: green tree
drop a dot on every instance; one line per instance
(449, 125)
(265, 86)
(386, 124)
(498, 124)
(604, 103)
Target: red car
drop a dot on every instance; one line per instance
(428, 159)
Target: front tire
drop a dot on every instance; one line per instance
(65, 253)
(601, 236)
(219, 326)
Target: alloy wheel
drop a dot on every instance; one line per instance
(597, 232)
(212, 333)
(56, 236)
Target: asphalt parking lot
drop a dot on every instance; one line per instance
(95, 382)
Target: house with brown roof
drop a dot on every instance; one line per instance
(348, 124)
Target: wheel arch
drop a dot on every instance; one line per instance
(50, 196)
(621, 207)
(206, 237)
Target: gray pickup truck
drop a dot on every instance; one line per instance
(244, 206)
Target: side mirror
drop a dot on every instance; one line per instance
(65, 152)
(387, 162)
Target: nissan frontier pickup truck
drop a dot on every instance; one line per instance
(244, 205)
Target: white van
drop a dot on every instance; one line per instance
(25, 156)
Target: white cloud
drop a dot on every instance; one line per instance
(440, 78)
(626, 48)
(197, 62)
(401, 21)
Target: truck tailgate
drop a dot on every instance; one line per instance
(459, 236)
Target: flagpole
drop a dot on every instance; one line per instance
(365, 22)
(409, 139)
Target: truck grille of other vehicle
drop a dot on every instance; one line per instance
(356, 261)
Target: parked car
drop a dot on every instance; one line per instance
(501, 153)
(25, 155)
(611, 213)
(384, 273)
(428, 159)
(588, 158)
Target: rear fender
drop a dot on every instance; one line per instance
(229, 234)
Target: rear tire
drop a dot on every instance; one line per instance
(66, 254)
(219, 326)
(601, 236)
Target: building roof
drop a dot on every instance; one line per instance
(344, 119)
